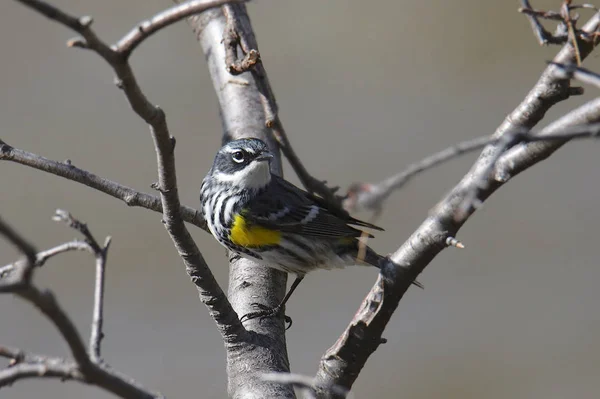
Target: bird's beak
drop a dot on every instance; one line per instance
(265, 156)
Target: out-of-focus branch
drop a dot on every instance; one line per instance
(551, 88)
(566, 28)
(47, 368)
(210, 292)
(343, 362)
(572, 71)
(86, 367)
(42, 257)
(542, 35)
(372, 196)
(17, 356)
(368, 196)
(23, 275)
(69, 171)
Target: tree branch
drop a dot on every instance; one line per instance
(566, 28)
(23, 275)
(145, 29)
(551, 88)
(100, 253)
(42, 257)
(210, 292)
(263, 349)
(50, 368)
(86, 367)
(68, 171)
(372, 196)
(342, 363)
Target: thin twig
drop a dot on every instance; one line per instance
(145, 29)
(65, 217)
(543, 36)
(312, 184)
(17, 356)
(565, 11)
(43, 256)
(51, 368)
(90, 245)
(551, 88)
(365, 196)
(116, 190)
(96, 334)
(453, 242)
(566, 29)
(100, 252)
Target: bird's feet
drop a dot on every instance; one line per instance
(264, 312)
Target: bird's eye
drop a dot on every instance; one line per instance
(238, 156)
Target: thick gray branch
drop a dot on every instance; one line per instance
(263, 349)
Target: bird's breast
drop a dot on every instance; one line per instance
(252, 236)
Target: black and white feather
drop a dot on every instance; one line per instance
(312, 236)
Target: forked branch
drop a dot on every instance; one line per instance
(550, 89)
(69, 171)
(86, 366)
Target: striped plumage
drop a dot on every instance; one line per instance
(299, 235)
(263, 217)
(310, 236)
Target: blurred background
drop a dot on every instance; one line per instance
(365, 88)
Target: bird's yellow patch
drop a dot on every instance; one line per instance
(252, 236)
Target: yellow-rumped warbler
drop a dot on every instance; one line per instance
(261, 216)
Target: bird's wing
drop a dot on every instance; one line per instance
(287, 208)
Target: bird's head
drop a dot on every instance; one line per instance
(243, 164)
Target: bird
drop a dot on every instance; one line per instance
(258, 215)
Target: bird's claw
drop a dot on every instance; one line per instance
(266, 312)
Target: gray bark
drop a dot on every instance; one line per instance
(264, 348)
